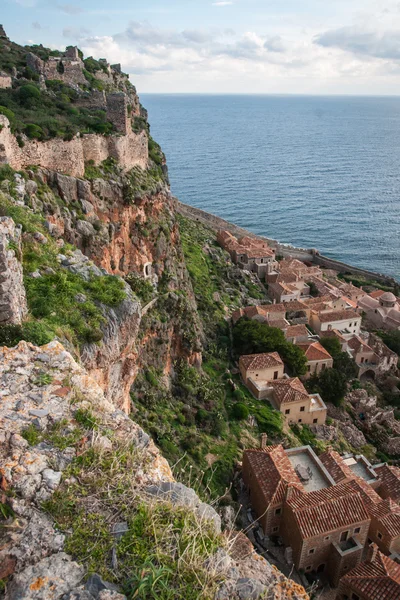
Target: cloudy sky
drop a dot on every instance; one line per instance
(222, 46)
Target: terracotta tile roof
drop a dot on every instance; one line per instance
(261, 361)
(376, 294)
(326, 510)
(287, 277)
(387, 513)
(279, 323)
(289, 390)
(296, 331)
(341, 472)
(338, 315)
(315, 351)
(333, 333)
(390, 479)
(317, 300)
(356, 343)
(273, 471)
(350, 302)
(377, 580)
(295, 305)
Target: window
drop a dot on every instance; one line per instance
(299, 421)
(311, 551)
(278, 511)
(328, 537)
(302, 408)
(344, 535)
(315, 420)
(276, 375)
(308, 367)
(308, 568)
(275, 529)
(287, 411)
(329, 327)
(380, 536)
(357, 530)
(323, 367)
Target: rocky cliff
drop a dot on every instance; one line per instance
(96, 303)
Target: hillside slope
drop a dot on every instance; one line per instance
(97, 316)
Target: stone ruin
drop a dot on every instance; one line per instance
(3, 33)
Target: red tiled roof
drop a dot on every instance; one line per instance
(387, 513)
(333, 333)
(356, 343)
(315, 351)
(273, 471)
(338, 315)
(261, 361)
(390, 479)
(289, 390)
(295, 305)
(326, 510)
(376, 294)
(296, 331)
(341, 472)
(377, 580)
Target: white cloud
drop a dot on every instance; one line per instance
(196, 60)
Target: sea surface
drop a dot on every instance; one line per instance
(315, 172)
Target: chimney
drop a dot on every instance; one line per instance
(263, 443)
(289, 491)
(372, 553)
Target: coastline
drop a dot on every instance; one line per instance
(305, 254)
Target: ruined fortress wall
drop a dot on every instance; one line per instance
(69, 157)
(310, 255)
(5, 81)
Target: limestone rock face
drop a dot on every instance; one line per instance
(13, 307)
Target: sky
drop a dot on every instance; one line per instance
(223, 46)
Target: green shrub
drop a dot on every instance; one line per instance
(86, 418)
(29, 93)
(240, 411)
(30, 331)
(34, 132)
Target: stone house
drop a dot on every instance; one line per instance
(290, 397)
(250, 254)
(385, 526)
(389, 481)
(345, 321)
(267, 474)
(261, 367)
(378, 578)
(382, 311)
(318, 359)
(284, 292)
(297, 334)
(327, 529)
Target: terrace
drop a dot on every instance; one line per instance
(309, 468)
(361, 467)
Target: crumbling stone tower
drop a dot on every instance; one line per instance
(117, 111)
(3, 33)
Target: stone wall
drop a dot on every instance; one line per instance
(13, 306)
(66, 69)
(69, 157)
(5, 81)
(310, 255)
(117, 111)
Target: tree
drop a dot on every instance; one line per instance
(253, 337)
(332, 345)
(330, 384)
(345, 365)
(391, 339)
(240, 411)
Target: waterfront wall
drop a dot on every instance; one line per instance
(306, 254)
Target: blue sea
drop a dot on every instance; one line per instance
(315, 172)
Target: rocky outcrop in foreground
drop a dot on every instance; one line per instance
(70, 458)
